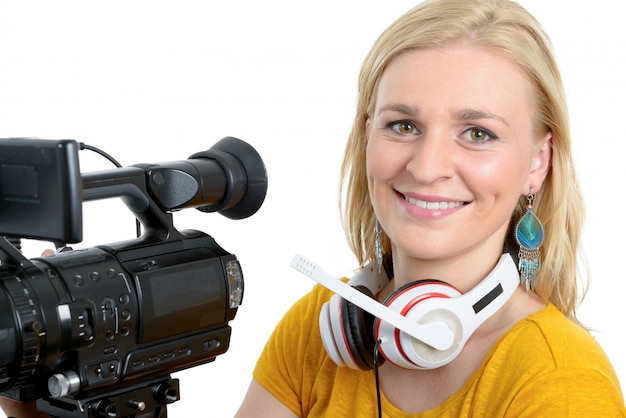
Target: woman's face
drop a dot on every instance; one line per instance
(451, 148)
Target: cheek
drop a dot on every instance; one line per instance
(381, 171)
(383, 162)
(496, 177)
(372, 161)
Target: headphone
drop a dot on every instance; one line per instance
(422, 325)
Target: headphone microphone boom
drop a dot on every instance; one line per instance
(422, 325)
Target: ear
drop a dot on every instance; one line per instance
(541, 162)
(368, 124)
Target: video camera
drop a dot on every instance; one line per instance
(96, 332)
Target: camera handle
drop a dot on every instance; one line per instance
(229, 178)
(128, 183)
(145, 400)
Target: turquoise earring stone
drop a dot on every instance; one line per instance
(529, 231)
(529, 235)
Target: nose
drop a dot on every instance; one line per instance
(433, 158)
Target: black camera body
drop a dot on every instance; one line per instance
(96, 332)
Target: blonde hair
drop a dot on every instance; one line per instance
(507, 28)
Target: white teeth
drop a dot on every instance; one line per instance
(432, 205)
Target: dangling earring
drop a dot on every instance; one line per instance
(379, 246)
(529, 237)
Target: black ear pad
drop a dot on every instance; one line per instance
(358, 326)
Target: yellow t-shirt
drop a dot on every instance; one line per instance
(545, 366)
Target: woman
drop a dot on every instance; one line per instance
(461, 131)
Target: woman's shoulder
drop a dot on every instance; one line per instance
(302, 317)
(550, 362)
(560, 333)
(312, 301)
(548, 340)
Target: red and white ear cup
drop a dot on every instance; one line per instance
(348, 332)
(420, 302)
(328, 339)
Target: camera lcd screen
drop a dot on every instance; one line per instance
(40, 189)
(182, 299)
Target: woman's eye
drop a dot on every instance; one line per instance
(479, 135)
(403, 127)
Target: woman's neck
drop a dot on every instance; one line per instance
(464, 270)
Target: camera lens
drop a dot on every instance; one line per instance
(7, 336)
(18, 351)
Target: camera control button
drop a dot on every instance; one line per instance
(79, 281)
(110, 350)
(63, 384)
(184, 351)
(126, 315)
(212, 344)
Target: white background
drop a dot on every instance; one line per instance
(158, 81)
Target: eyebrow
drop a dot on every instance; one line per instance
(461, 115)
(474, 114)
(400, 108)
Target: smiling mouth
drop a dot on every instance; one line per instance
(433, 205)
